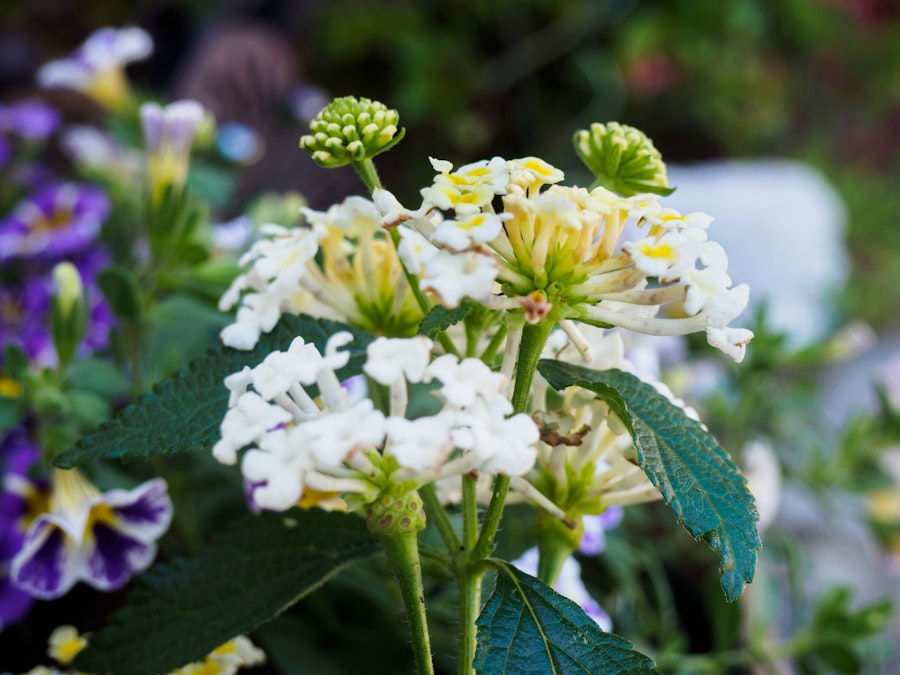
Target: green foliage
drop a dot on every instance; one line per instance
(527, 627)
(440, 318)
(836, 632)
(121, 291)
(263, 564)
(184, 412)
(695, 475)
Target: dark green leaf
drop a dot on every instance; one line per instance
(697, 478)
(96, 376)
(12, 412)
(121, 291)
(15, 361)
(440, 318)
(184, 411)
(264, 563)
(528, 628)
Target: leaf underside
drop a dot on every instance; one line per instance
(179, 613)
(527, 628)
(184, 412)
(693, 472)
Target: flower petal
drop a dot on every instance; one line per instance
(144, 512)
(114, 558)
(45, 567)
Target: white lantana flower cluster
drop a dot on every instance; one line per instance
(557, 252)
(298, 442)
(341, 266)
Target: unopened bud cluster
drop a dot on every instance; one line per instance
(622, 158)
(351, 130)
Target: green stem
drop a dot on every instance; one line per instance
(469, 581)
(469, 577)
(402, 551)
(470, 513)
(438, 515)
(534, 337)
(494, 345)
(366, 171)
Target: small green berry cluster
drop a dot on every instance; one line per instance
(622, 158)
(395, 515)
(351, 130)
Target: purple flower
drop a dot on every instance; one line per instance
(25, 309)
(101, 539)
(20, 497)
(594, 540)
(5, 151)
(24, 318)
(33, 120)
(57, 220)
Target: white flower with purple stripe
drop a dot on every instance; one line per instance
(96, 68)
(101, 539)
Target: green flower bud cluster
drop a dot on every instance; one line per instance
(351, 130)
(622, 158)
(391, 515)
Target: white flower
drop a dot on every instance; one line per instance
(249, 419)
(469, 230)
(556, 250)
(504, 445)
(455, 276)
(424, 443)
(415, 250)
(277, 469)
(468, 189)
(732, 341)
(332, 438)
(389, 359)
(463, 382)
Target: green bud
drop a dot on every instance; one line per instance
(622, 158)
(68, 317)
(68, 285)
(391, 515)
(351, 130)
(205, 137)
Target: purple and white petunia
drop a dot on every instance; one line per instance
(96, 68)
(57, 220)
(19, 497)
(101, 539)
